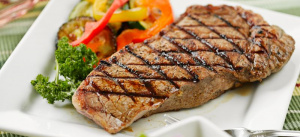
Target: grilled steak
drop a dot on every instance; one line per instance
(207, 51)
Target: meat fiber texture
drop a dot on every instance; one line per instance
(207, 51)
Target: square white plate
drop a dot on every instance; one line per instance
(257, 105)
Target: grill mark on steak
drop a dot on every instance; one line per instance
(215, 38)
(135, 73)
(99, 68)
(157, 68)
(229, 24)
(245, 18)
(199, 61)
(207, 25)
(97, 109)
(149, 79)
(152, 79)
(94, 85)
(251, 25)
(260, 45)
(145, 81)
(186, 64)
(273, 35)
(116, 80)
(97, 90)
(237, 48)
(213, 48)
(196, 51)
(173, 60)
(106, 93)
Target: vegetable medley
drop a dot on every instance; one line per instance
(95, 30)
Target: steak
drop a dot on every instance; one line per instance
(205, 52)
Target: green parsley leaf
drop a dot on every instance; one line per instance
(74, 64)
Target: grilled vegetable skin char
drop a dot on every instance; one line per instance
(74, 64)
(74, 28)
(103, 44)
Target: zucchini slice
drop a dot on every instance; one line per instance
(74, 28)
(83, 8)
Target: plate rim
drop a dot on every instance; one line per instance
(47, 9)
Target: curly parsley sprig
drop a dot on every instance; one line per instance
(74, 64)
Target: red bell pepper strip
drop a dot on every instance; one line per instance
(135, 35)
(92, 29)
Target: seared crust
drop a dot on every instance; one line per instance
(208, 50)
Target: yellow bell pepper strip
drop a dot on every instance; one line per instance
(135, 35)
(99, 5)
(91, 1)
(96, 27)
(134, 14)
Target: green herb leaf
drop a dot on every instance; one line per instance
(52, 91)
(74, 64)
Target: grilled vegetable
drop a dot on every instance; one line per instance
(101, 5)
(136, 25)
(103, 44)
(95, 28)
(135, 14)
(86, 7)
(146, 23)
(136, 35)
(74, 28)
(83, 8)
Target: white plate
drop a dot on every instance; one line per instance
(196, 126)
(257, 106)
